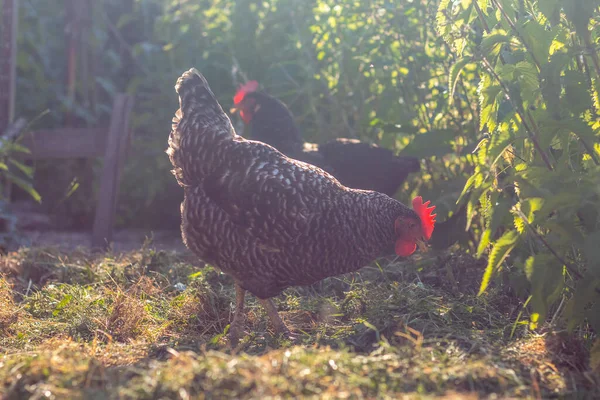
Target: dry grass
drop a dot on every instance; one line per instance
(151, 325)
(9, 313)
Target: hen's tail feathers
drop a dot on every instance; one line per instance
(198, 126)
(192, 89)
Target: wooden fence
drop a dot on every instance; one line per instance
(110, 143)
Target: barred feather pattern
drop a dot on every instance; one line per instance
(267, 220)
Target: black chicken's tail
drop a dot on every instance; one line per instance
(199, 126)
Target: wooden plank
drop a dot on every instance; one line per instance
(117, 140)
(65, 143)
(8, 61)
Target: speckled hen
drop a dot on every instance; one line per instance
(270, 221)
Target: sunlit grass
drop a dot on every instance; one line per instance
(152, 325)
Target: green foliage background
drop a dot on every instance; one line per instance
(499, 98)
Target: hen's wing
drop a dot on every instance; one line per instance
(275, 198)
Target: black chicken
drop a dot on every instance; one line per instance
(354, 163)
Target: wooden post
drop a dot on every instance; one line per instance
(64, 143)
(8, 72)
(116, 148)
(77, 22)
(112, 144)
(8, 62)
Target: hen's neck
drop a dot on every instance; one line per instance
(372, 218)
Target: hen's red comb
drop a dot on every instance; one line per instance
(426, 214)
(247, 87)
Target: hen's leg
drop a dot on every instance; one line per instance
(236, 329)
(276, 320)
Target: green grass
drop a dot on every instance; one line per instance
(152, 325)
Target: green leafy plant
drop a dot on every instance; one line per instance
(536, 182)
(376, 71)
(13, 171)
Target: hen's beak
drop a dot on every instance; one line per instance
(422, 245)
(233, 110)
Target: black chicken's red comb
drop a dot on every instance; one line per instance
(247, 87)
(426, 214)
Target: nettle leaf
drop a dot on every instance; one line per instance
(527, 74)
(550, 9)
(546, 275)
(482, 156)
(537, 38)
(528, 188)
(507, 72)
(500, 251)
(451, 28)
(501, 210)
(563, 234)
(486, 200)
(492, 43)
(442, 23)
(473, 202)
(560, 201)
(581, 129)
(483, 5)
(577, 94)
(591, 249)
(455, 71)
(595, 93)
(432, 143)
(514, 94)
(506, 112)
(498, 144)
(550, 83)
(482, 144)
(580, 12)
(484, 242)
(588, 215)
(489, 96)
(489, 92)
(471, 12)
(473, 182)
(488, 117)
(584, 294)
(471, 210)
(530, 206)
(496, 209)
(519, 223)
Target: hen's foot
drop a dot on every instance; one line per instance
(236, 329)
(236, 332)
(278, 324)
(291, 336)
